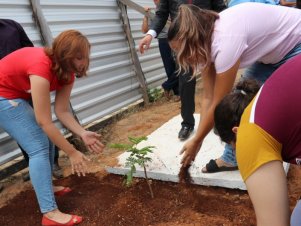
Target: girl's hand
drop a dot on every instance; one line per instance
(91, 139)
(78, 163)
(190, 150)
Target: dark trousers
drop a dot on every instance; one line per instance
(187, 92)
(172, 82)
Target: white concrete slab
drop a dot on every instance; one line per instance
(165, 163)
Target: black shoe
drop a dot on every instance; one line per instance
(185, 132)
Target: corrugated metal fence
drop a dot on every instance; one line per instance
(112, 83)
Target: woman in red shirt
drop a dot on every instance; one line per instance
(32, 73)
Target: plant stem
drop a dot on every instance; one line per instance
(148, 183)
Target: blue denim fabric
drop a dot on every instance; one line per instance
(229, 155)
(296, 215)
(236, 2)
(18, 120)
(261, 72)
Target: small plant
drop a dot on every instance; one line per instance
(137, 156)
(154, 94)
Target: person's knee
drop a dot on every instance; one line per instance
(38, 148)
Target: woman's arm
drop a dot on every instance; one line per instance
(215, 87)
(144, 27)
(267, 188)
(62, 111)
(42, 108)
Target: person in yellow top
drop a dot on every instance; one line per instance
(264, 129)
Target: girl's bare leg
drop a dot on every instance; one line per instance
(267, 188)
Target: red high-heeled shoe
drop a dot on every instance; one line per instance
(62, 192)
(73, 221)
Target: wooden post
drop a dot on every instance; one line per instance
(134, 55)
(140, 9)
(41, 22)
(137, 7)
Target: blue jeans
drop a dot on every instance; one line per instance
(296, 215)
(18, 120)
(261, 72)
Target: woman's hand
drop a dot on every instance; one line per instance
(190, 150)
(144, 43)
(78, 163)
(91, 139)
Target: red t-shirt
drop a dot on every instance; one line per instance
(16, 68)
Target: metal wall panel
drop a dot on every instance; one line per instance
(151, 61)
(20, 11)
(111, 83)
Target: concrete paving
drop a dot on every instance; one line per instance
(166, 159)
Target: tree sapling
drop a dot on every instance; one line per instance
(137, 156)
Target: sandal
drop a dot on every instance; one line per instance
(212, 167)
(73, 221)
(62, 192)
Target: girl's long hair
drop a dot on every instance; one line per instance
(192, 31)
(228, 112)
(65, 48)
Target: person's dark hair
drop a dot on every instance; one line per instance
(67, 46)
(192, 31)
(228, 112)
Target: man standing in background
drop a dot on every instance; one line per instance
(172, 82)
(169, 9)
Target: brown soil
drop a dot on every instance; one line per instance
(103, 200)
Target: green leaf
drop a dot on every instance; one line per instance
(121, 146)
(137, 140)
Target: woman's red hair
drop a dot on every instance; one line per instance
(67, 46)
